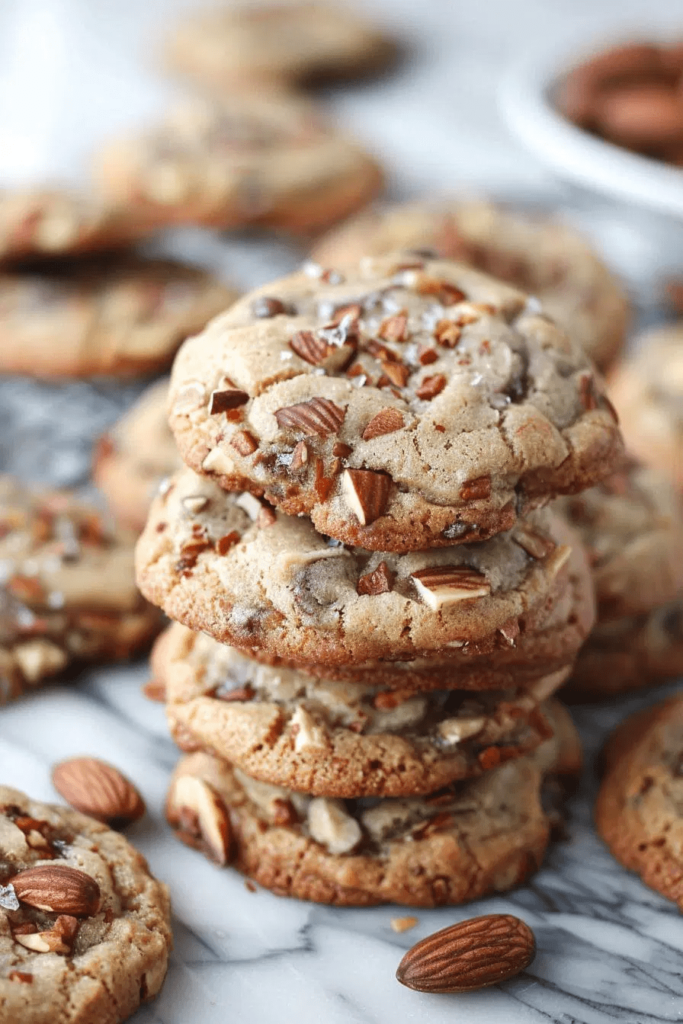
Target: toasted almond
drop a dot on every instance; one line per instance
(98, 789)
(395, 328)
(244, 443)
(367, 493)
(473, 490)
(441, 585)
(318, 416)
(430, 387)
(386, 421)
(534, 543)
(319, 351)
(402, 924)
(468, 956)
(202, 814)
(58, 889)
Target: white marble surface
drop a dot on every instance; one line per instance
(72, 71)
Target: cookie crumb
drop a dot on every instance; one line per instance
(402, 924)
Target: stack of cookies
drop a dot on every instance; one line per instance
(373, 607)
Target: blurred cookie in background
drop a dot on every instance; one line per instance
(133, 457)
(119, 315)
(543, 256)
(44, 223)
(295, 43)
(632, 527)
(262, 158)
(647, 390)
(67, 589)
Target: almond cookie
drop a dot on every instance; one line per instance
(67, 588)
(85, 930)
(260, 580)
(337, 739)
(647, 390)
(251, 158)
(629, 654)
(403, 404)
(639, 810)
(45, 223)
(295, 43)
(540, 255)
(464, 841)
(124, 316)
(132, 458)
(632, 526)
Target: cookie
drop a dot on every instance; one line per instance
(67, 588)
(647, 390)
(227, 565)
(295, 43)
(403, 404)
(629, 654)
(261, 158)
(85, 931)
(46, 223)
(464, 841)
(123, 316)
(337, 739)
(632, 526)
(539, 254)
(132, 458)
(639, 807)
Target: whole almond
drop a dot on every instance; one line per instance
(467, 956)
(98, 789)
(58, 889)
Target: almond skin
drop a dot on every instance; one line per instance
(58, 889)
(99, 790)
(470, 955)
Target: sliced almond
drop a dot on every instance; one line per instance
(558, 559)
(533, 542)
(307, 732)
(217, 461)
(200, 809)
(455, 730)
(442, 585)
(320, 351)
(367, 493)
(229, 398)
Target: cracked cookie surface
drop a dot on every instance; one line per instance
(251, 158)
(292, 42)
(402, 404)
(639, 807)
(67, 588)
(538, 254)
(123, 316)
(337, 739)
(228, 565)
(464, 841)
(135, 455)
(86, 937)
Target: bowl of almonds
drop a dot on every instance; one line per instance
(606, 114)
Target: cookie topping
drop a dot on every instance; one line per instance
(367, 493)
(230, 398)
(317, 417)
(442, 585)
(377, 582)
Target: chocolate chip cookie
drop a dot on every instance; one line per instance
(229, 565)
(262, 157)
(464, 841)
(120, 316)
(337, 739)
(632, 527)
(647, 390)
(539, 254)
(85, 931)
(132, 458)
(296, 43)
(67, 588)
(639, 807)
(402, 404)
